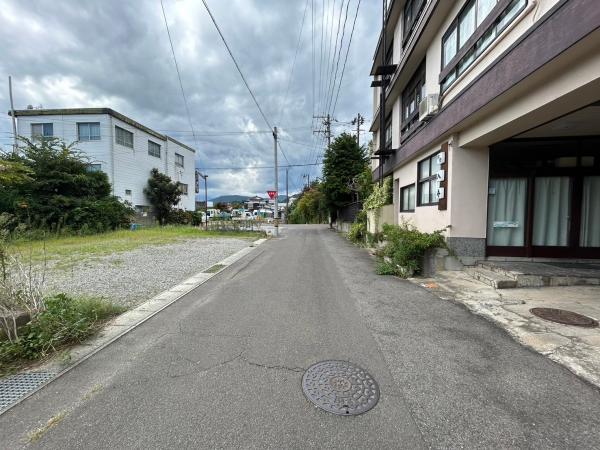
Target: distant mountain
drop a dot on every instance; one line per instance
(240, 198)
(230, 199)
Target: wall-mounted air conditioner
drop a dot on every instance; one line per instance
(428, 106)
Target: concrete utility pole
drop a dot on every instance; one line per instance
(205, 178)
(327, 123)
(276, 210)
(307, 175)
(287, 196)
(358, 121)
(12, 114)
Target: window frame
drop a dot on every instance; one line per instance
(121, 142)
(177, 156)
(404, 208)
(94, 167)
(408, 28)
(428, 179)
(389, 128)
(89, 139)
(412, 91)
(478, 42)
(151, 152)
(43, 125)
(182, 190)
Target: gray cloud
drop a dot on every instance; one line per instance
(116, 54)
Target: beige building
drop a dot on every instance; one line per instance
(491, 125)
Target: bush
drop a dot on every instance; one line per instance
(180, 217)
(63, 321)
(405, 247)
(357, 233)
(197, 218)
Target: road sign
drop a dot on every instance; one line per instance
(272, 194)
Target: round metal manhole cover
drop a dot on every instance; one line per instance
(340, 387)
(565, 317)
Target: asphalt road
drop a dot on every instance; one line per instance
(222, 368)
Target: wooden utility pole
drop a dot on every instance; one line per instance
(12, 114)
(287, 196)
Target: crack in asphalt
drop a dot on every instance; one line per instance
(276, 367)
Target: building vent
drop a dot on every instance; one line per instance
(428, 106)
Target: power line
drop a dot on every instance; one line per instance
(237, 65)
(260, 167)
(346, 57)
(337, 63)
(187, 109)
(293, 65)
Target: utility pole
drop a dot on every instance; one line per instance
(287, 196)
(307, 175)
(205, 178)
(327, 123)
(12, 113)
(358, 121)
(276, 210)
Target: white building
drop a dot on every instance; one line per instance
(121, 147)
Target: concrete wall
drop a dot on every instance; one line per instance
(377, 217)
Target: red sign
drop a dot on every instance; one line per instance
(272, 194)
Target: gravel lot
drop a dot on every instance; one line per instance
(130, 278)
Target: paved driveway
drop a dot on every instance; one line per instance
(222, 368)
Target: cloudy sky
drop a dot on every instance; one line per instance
(114, 53)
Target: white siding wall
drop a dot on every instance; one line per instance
(132, 166)
(65, 128)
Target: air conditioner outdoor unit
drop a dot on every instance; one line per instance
(428, 106)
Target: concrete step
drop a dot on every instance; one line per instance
(501, 270)
(492, 278)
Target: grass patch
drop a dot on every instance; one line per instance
(72, 249)
(63, 322)
(214, 268)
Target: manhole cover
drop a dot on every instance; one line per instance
(565, 317)
(17, 386)
(340, 387)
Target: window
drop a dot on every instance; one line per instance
(39, 130)
(178, 160)
(94, 167)
(407, 198)
(88, 131)
(458, 39)
(389, 60)
(411, 97)
(183, 188)
(124, 137)
(153, 149)
(427, 181)
(388, 132)
(412, 11)
(127, 191)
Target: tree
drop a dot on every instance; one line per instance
(343, 161)
(56, 190)
(310, 206)
(163, 194)
(13, 173)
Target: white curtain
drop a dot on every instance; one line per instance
(551, 210)
(506, 212)
(590, 213)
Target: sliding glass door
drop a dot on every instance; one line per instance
(552, 211)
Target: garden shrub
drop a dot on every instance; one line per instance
(357, 233)
(405, 247)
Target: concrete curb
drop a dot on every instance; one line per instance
(131, 319)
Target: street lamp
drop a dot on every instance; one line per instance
(205, 177)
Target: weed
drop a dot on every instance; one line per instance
(37, 434)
